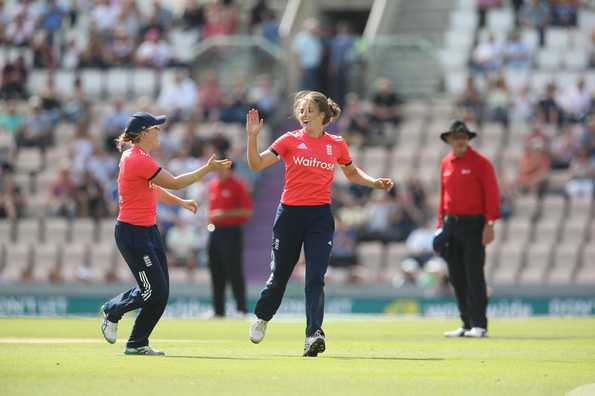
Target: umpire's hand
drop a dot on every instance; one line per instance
(488, 234)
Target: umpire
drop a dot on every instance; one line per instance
(469, 206)
(230, 206)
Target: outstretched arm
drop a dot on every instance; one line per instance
(257, 161)
(170, 199)
(167, 180)
(358, 176)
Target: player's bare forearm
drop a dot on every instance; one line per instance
(357, 176)
(168, 198)
(254, 158)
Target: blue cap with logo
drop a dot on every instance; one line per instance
(140, 121)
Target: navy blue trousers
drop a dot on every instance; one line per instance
(295, 226)
(143, 250)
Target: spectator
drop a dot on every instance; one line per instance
(95, 53)
(263, 96)
(130, 19)
(341, 60)
(581, 176)
(182, 242)
(488, 56)
(379, 211)
(160, 17)
(354, 123)
(483, 7)
(406, 216)
(472, 99)
(576, 102)
(536, 14)
(419, 252)
(308, 47)
(90, 198)
(344, 253)
(77, 108)
(534, 169)
(417, 192)
(517, 5)
(518, 53)
(179, 98)
(237, 105)
(385, 106)
(80, 150)
(50, 98)
(62, 194)
(154, 51)
(499, 102)
(104, 17)
(12, 200)
(219, 21)
(270, 28)
(548, 107)
(14, 80)
(193, 16)
(523, 104)
(564, 13)
(38, 128)
(115, 124)
(10, 118)
(20, 31)
(210, 100)
(564, 147)
(121, 48)
(51, 20)
(258, 13)
(101, 166)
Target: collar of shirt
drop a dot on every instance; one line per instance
(467, 155)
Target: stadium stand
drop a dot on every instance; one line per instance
(548, 235)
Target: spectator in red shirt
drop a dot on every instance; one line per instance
(469, 206)
(230, 207)
(534, 169)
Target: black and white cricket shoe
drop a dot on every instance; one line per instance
(314, 344)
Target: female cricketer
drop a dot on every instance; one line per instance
(304, 215)
(141, 183)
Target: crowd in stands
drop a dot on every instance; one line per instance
(559, 121)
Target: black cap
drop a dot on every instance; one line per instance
(140, 121)
(457, 126)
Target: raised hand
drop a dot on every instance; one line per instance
(216, 165)
(383, 183)
(253, 123)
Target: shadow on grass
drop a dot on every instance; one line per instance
(541, 338)
(209, 357)
(395, 358)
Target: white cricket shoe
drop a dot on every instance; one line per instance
(460, 332)
(109, 329)
(258, 330)
(144, 350)
(314, 344)
(476, 332)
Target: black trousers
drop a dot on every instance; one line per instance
(142, 248)
(226, 246)
(465, 256)
(313, 228)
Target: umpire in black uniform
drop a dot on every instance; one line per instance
(469, 206)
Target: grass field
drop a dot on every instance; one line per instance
(392, 356)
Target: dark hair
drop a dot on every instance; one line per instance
(325, 105)
(125, 139)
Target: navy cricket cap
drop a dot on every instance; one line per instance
(140, 121)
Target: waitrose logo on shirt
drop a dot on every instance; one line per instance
(313, 163)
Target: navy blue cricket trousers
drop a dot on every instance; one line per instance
(143, 250)
(295, 226)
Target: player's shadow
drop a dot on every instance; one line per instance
(395, 358)
(203, 357)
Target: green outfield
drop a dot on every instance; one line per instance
(392, 356)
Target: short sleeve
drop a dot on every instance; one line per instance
(145, 167)
(280, 147)
(344, 156)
